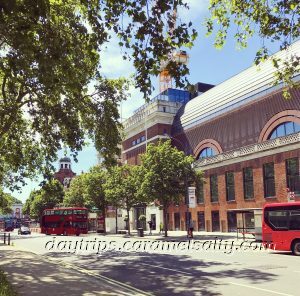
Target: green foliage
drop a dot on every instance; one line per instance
(122, 188)
(275, 21)
(5, 287)
(50, 195)
(52, 89)
(167, 173)
(87, 189)
(75, 193)
(16, 200)
(6, 201)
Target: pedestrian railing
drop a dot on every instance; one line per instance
(5, 238)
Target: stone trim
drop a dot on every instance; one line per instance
(281, 117)
(207, 143)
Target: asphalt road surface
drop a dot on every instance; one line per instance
(181, 272)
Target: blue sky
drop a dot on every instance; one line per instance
(206, 64)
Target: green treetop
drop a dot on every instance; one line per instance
(52, 89)
(122, 187)
(273, 21)
(167, 174)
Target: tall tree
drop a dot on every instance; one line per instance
(28, 202)
(52, 89)
(122, 187)
(6, 201)
(273, 21)
(167, 174)
(75, 194)
(50, 195)
(87, 190)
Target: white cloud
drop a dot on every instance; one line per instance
(134, 102)
(198, 9)
(112, 63)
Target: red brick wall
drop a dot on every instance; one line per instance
(157, 129)
(62, 174)
(259, 200)
(133, 156)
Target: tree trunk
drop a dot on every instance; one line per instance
(104, 215)
(165, 220)
(128, 221)
(116, 220)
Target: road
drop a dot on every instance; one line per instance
(176, 272)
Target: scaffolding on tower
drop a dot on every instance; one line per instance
(178, 56)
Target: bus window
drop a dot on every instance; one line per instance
(70, 212)
(278, 219)
(80, 212)
(295, 220)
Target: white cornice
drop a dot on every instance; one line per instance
(270, 147)
(144, 143)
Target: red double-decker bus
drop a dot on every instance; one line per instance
(281, 226)
(66, 221)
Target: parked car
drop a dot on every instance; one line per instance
(24, 230)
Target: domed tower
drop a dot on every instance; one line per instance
(65, 163)
(65, 173)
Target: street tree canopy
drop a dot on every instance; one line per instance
(50, 195)
(87, 189)
(167, 173)
(52, 90)
(6, 201)
(122, 188)
(273, 21)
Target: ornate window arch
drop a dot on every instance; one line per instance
(280, 121)
(208, 147)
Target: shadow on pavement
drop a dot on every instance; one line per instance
(168, 275)
(32, 275)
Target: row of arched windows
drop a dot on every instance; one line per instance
(283, 129)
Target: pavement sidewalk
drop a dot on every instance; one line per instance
(182, 235)
(32, 274)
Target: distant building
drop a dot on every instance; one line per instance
(65, 173)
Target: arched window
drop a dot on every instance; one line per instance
(207, 152)
(285, 129)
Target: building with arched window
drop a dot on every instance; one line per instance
(245, 137)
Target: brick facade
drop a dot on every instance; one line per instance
(133, 155)
(223, 205)
(64, 173)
